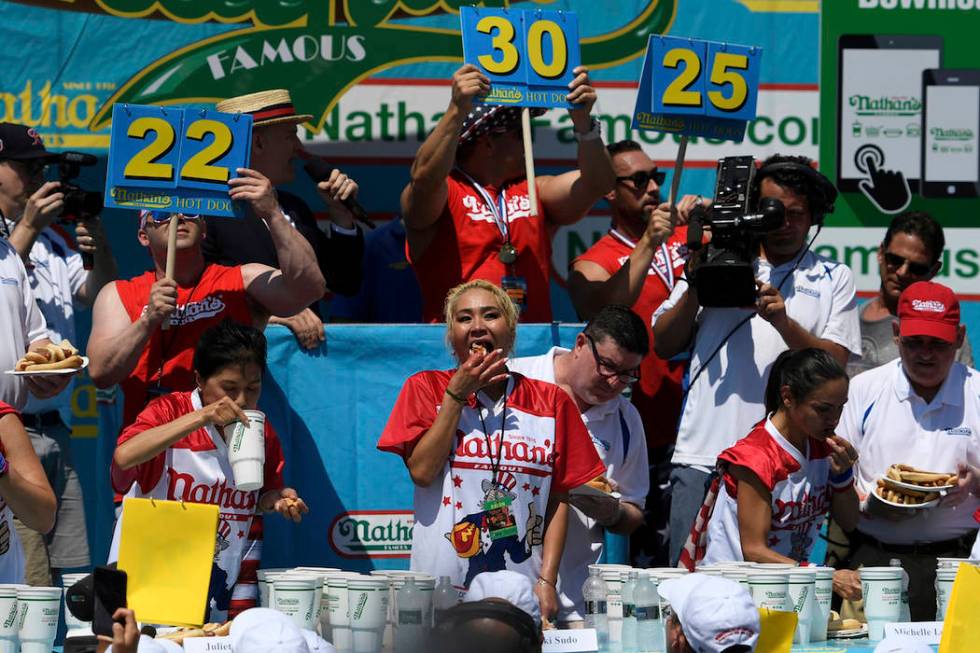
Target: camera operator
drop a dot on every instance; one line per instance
(32, 209)
(802, 300)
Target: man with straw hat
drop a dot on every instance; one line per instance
(467, 208)
(275, 146)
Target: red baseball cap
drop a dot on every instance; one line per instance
(929, 309)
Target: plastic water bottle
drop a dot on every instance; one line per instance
(409, 623)
(629, 613)
(649, 628)
(594, 592)
(446, 596)
(905, 615)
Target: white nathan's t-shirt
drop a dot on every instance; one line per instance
(727, 397)
(545, 448)
(613, 426)
(889, 423)
(195, 469)
(800, 488)
(21, 323)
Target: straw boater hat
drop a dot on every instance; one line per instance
(273, 107)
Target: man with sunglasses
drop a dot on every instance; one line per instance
(921, 410)
(604, 362)
(467, 210)
(32, 209)
(128, 344)
(911, 251)
(636, 264)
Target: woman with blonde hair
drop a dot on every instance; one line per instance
(492, 454)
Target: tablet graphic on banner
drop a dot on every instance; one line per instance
(692, 87)
(176, 159)
(372, 534)
(529, 56)
(950, 163)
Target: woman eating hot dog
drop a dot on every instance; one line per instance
(492, 455)
(176, 449)
(779, 482)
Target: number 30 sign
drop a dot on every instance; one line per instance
(175, 159)
(529, 56)
(697, 88)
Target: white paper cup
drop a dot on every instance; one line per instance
(265, 579)
(368, 607)
(822, 594)
(9, 619)
(612, 576)
(882, 589)
(298, 598)
(39, 609)
(246, 450)
(944, 587)
(802, 591)
(770, 590)
(338, 616)
(75, 626)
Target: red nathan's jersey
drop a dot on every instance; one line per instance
(218, 295)
(658, 394)
(468, 240)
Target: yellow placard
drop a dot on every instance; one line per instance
(166, 549)
(961, 628)
(776, 631)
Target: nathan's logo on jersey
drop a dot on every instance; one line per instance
(517, 207)
(929, 305)
(514, 449)
(182, 487)
(191, 312)
(789, 513)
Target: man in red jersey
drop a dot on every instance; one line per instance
(127, 345)
(466, 209)
(636, 264)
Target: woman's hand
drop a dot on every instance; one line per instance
(222, 412)
(847, 584)
(289, 505)
(477, 371)
(547, 597)
(844, 454)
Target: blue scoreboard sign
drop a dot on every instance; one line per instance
(697, 88)
(175, 159)
(529, 56)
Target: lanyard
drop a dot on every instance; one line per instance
(497, 209)
(666, 273)
(495, 466)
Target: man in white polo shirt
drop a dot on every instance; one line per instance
(604, 362)
(804, 300)
(921, 410)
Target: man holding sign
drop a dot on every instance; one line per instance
(466, 209)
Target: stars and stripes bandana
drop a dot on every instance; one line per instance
(484, 119)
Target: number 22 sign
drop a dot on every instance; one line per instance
(529, 56)
(176, 159)
(697, 88)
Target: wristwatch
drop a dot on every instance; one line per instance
(594, 133)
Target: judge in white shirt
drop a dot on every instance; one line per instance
(603, 363)
(921, 410)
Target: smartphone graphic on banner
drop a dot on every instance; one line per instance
(879, 104)
(951, 122)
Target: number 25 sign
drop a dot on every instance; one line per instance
(529, 56)
(176, 159)
(697, 88)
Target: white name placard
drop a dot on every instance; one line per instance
(927, 632)
(580, 640)
(207, 645)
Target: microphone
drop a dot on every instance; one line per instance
(319, 170)
(79, 158)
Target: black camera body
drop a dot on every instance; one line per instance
(78, 201)
(724, 275)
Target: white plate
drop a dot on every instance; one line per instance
(589, 491)
(912, 506)
(850, 633)
(913, 486)
(50, 372)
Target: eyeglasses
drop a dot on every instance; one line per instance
(608, 371)
(641, 179)
(915, 269)
(164, 217)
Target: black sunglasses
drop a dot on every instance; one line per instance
(641, 179)
(608, 370)
(916, 269)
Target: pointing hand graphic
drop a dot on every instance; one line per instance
(888, 190)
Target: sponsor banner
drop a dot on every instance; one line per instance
(372, 534)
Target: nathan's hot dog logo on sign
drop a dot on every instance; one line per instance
(373, 534)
